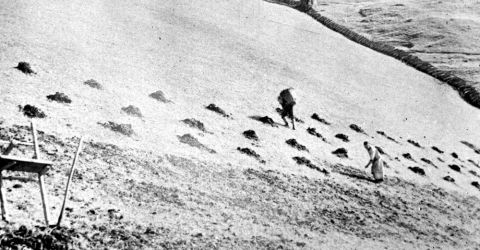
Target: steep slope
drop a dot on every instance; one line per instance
(238, 55)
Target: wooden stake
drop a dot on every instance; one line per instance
(2, 198)
(69, 178)
(44, 198)
(35, 142)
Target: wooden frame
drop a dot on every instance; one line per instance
(34, 165)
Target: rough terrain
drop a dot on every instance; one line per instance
(161, 181)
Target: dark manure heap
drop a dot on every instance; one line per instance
(93, 84)
(388, 137)
(471, 146)
(314, 132)
(292, 142)
(357, 129)
(321, 120)
(341, 153)
(449, 178)
(417, 170)
(250, 134)
(414, 143)
(25, 68)
(125, 129)
(434, 148)
(195, 124)
(265, 120)
(59, 97)
(429, 162)
(32, 111)
(193, 142)
(454, 167)
(252, 153)
(304, 161)
(133, 111)
(408, 156)
(159, 96)
(218, 110)
(342, 137)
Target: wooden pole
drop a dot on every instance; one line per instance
(36, 155)
(68, 181)
(2, 198)
(44, 198)
(35, 143)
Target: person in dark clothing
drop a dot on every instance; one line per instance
(287, 101)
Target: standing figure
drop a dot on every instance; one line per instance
(287, 100)
(376, 161)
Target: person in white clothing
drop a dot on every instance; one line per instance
(376, 162)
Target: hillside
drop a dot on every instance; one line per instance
(151, 190)
(444, 33)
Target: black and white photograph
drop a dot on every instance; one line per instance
(239, 124)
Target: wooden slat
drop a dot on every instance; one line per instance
(8, 165)
(21, 159)
(12, 163)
